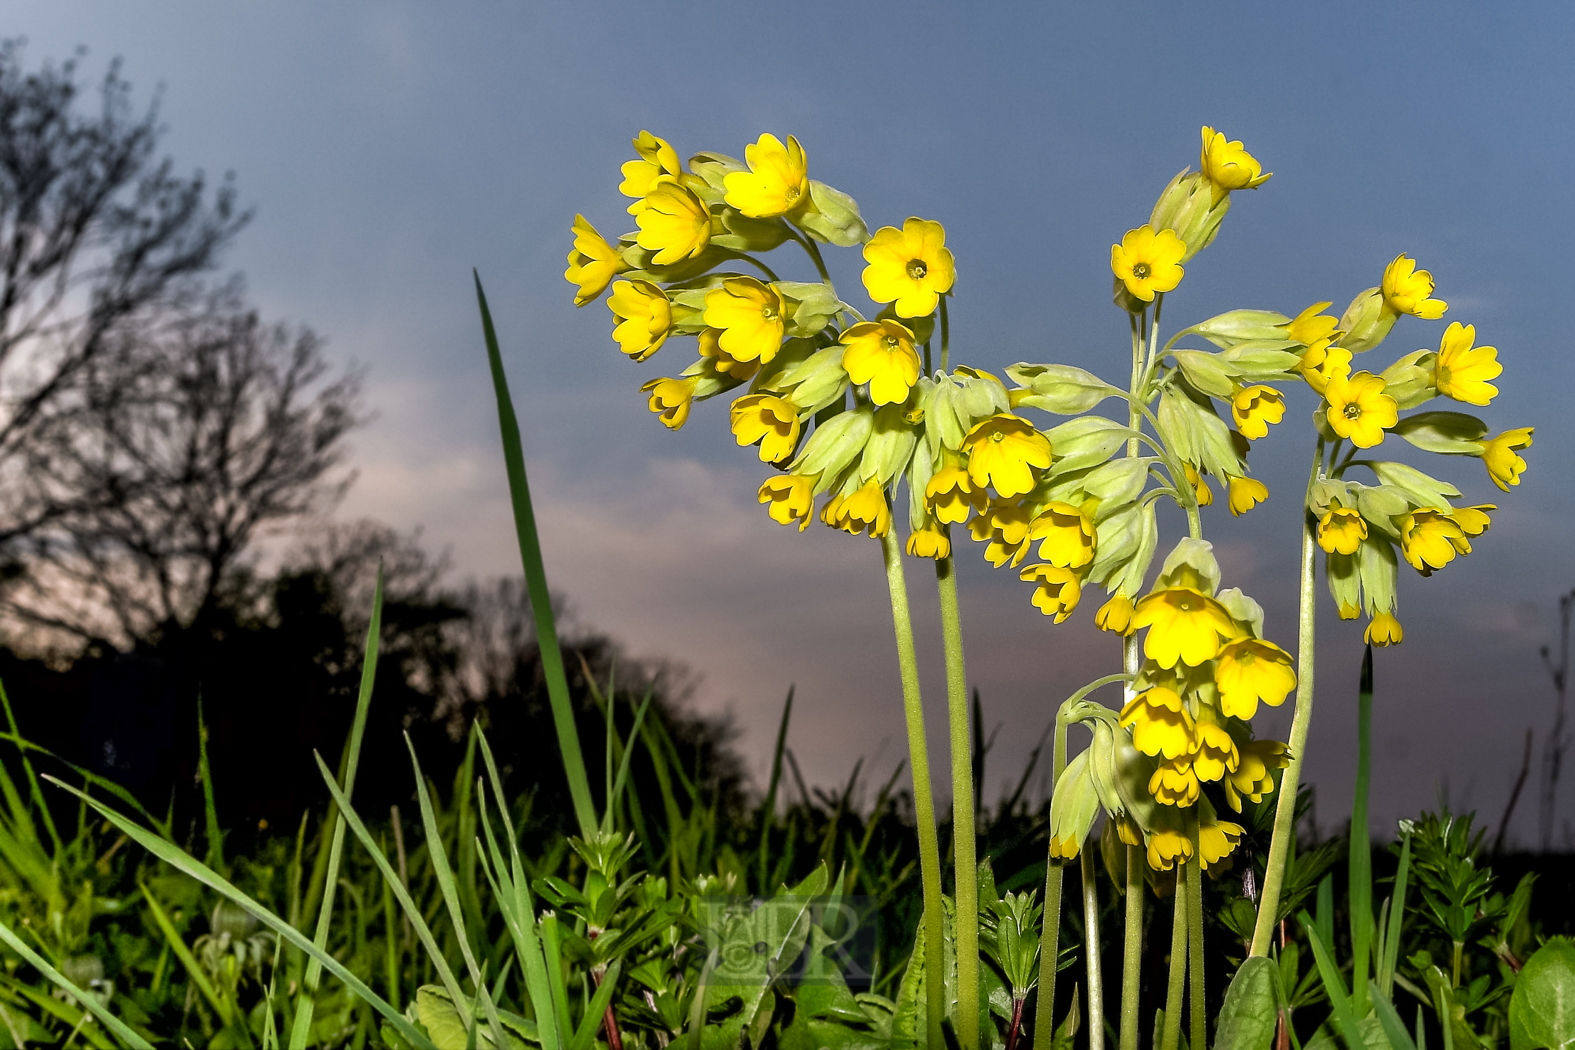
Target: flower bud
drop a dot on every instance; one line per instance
(1187, 207)
(1366, 322)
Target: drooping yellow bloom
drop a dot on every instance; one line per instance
(645, 317)
(863, 510)
(791, 497)
(770, 420)
(1312, 325)
(1463, 370)
(1245, 494)
(1254, 408)
(1254, 775)
(1148, 262)
(1068, 535)
(1160, 723)
(1430, 539)
(1250, 670)
(1174, 783)
(1217, 840)
(1063, 848)
(593, 263)
(1215, 753)
(1228, 166)
(750, 316)
(1498, 455)
(1003, 451)
(1474, 521)
(674, 223)
(1200, 488)
(911, 267)
(1184, 624)
(951, 495)
(1057, 592)
(1115, 615)
(1359, 410)
(1322, 363)
(721, 360)
(1341, 531)
(881, 354)
(1166, 846)
(1005, 526)
(670, 399)
(1407, 290)
(776, 183)
(1384, 630)
(656, 159)
(930, 541)
(1348, 611)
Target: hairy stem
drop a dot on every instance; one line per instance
(1198, 1019)
(1050, 935)
(966, 859)
(1132, 952)
(1096, 983)
(1171, 1034)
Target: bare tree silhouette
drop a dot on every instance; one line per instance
(1553, 750)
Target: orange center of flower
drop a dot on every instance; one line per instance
(917, 269)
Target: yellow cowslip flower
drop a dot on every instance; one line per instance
(911, 267)
(790, 498)
(930, 541)
(951, 495)
(657, 158)
(1148, 262)
(1174, 783)
(1322, 363)
(1115, 615)
(881, 354)
(1063, 848)
(1253, 777)
(674, 223)
(770, 420)
(1217, 840)
(1462, 370)
(1005, 526)
(721, 360)
(1167, 846)
(1214, 754)
(1003, 451)
(645, 317)
(1384, 630)
(1184, 624)
(1228, 166)
(1245, 493)
(1068, 535)
(1057, 592)
(1430, 539)
(750, 316)
(593, 263)
(1254, 408)
(1160, 723)
(1200, 488)
(1312, 325)
(1348, 611)
(776, 183)
(1498, 456)
(1250, 670)
(1474, 521)
(863, 510)
(1341, 531)
(1359, 410)
(1407, 290)
(670, 399)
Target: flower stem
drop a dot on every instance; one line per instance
(1050, 934)
(966, 860)
(946, 334)
(1171, 1035)
(1132, 954)
(1198, 1019)
(1285, 808)
(923, 799)
(1096, 983)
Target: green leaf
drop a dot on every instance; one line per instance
(1446, 432)
(1542, 1008)
(1247, 1019)
(86, 999)
(833, 217)
(1339, 1000)
(1063, 389)
(1422, 489)
(1085, 442)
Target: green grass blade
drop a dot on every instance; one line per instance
(1390, 961)
(522, 930)
(1394, 1028)
(89, 777)
(194, 970)
(36, 792)
(1360, 853)
(93, 1006)
(304, 1002)
(536, 582)
(215, 857)
(183, 862)
(585, 1036)
(768, 808)
(552, 955)
(76, 1018)
(1339, 1000)
(628, 754)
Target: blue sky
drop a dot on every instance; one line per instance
(389, 148)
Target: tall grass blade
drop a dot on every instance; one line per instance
(183, 862)
(93, 1006)
(1390, 959)
(199, 976)
(34, 791)
(616, 790)
(585, 1035)
(215, 857)
(536, 582)
(768, 808)
(304, 1001)
(1360, 854)
(1345, 1018)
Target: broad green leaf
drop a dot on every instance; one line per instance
(1542, 1008)
(1247, 1019)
